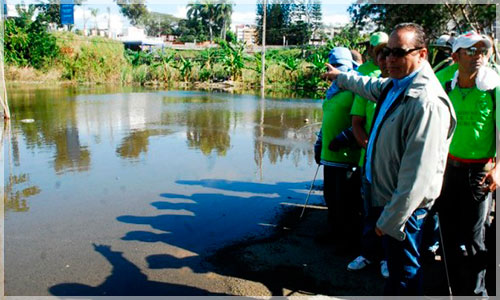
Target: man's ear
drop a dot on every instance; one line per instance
(423, 53)
(455, 56)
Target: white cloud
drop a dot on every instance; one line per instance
(243, 18)
(180, 12)
(79, 11)
(335, 19)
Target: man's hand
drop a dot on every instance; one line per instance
(490, 180)
(378, 231)
(332, 72)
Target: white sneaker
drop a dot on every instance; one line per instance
(383, 268)
(359, 263)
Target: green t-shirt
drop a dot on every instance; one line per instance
(368, 68)
(336, 118)
(474, 136)
(447, 73)
(364, 107)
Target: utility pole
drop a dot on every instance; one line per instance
(84, 21)
(263, 69)
(3, 88)
(109, 22)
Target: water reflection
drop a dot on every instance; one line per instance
(91, 167)
(284, 132)
(17, 190)
(55, 126)
(208, 130)
(137, 142)
(75, 129)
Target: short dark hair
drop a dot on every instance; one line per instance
(419, 32)
(356, 56)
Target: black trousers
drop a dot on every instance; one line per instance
(342, 196)
(463, 207)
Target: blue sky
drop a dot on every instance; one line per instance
(244, 11)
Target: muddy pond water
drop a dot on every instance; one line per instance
(98, 178)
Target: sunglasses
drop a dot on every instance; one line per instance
(472, 51)
(398, 52)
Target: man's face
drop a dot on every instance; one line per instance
(471, 59)
(382, 64)
(400, 66)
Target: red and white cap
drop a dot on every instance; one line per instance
(469, 39)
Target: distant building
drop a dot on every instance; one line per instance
(246, 33)
(331, 30)
(135, 38)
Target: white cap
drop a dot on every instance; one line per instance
(469, 39)
(444, 41)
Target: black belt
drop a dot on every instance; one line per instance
(460, 164)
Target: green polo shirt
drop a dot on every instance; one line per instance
(336, 118)
(474, 136)
(363, 107)
(368, 67)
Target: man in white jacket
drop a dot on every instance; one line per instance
(407, 149)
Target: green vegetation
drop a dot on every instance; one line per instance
(293, 22)
(434, 18)
(100, 60)
(27, 42)
(33, 53)
(95, 59)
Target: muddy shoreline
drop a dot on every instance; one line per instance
(292, 263)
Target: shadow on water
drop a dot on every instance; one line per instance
(206, 222)
(126, 279)
(201, 223)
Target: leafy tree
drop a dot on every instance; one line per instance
(316, 16)
(225, 11)
(189, 30)
(159, 24)
(434, 18)
(300, 33)
(278, 19)
(50, 10)
(210, 14)
(134, 10)
(27, 42)
(293, 20)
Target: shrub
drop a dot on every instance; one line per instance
(28, 43)
(96, 59)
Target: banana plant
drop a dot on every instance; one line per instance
(185, 68)
(233, 58)
(164, 60)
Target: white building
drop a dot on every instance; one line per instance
(138, 36)
(246, 33)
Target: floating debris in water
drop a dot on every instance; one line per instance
(27, 121)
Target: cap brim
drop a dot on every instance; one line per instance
(470, 43)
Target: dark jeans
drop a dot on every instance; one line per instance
(403, 259)
(431, 232)
(372, 246)
(463, 208)
(341, 193)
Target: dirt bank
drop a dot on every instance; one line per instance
(292, 263)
